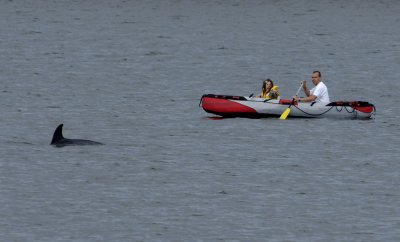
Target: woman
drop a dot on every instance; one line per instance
(269, 90)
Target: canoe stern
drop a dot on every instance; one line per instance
(226, 106)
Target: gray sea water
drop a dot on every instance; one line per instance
(130, 74)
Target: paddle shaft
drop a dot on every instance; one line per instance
(297, 93)
(287, 111)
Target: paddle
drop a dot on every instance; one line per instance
(287, 111)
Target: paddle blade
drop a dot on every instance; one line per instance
(285, 114)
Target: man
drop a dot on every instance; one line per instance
(318, 94)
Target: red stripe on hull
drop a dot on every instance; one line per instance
(226, 107)
(369, 109)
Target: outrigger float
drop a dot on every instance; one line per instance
(252, 107)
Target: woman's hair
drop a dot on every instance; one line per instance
(264, 86)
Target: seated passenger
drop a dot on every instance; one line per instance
(269, 90)
(318, 94)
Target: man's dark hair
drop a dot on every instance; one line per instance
(319, 73)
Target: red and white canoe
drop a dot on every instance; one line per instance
(241, 106)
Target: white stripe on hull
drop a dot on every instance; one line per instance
(305, 110)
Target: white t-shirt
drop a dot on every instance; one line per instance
(321, 91)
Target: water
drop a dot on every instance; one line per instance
(130, 74)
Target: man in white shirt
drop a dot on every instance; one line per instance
(318, 94)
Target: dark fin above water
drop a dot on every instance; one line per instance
(57, 136)
(59, 140)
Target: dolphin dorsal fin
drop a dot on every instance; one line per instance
(57, 136)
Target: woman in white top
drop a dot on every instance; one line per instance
(318, 94)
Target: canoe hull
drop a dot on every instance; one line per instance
(240, 106)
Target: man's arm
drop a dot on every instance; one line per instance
(310, 98)
(305, 88)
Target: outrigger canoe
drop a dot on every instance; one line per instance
(252, 107)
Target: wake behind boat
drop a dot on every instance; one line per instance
(253, 107)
